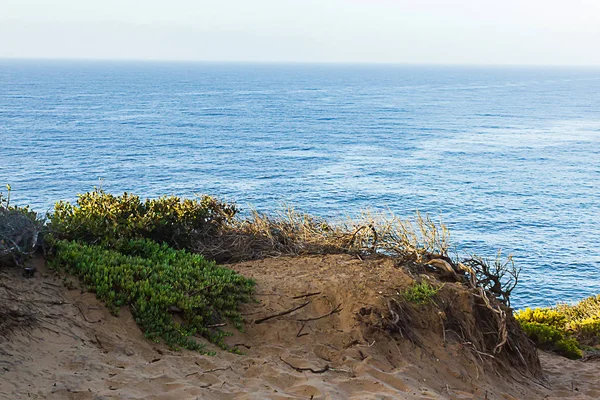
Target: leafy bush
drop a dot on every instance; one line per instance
(102, 218)
(551, 338)
(158, 282)
(583, 319)
(569, 348)
(544, 316)
(587, 330)
(420, 293)
(586, 308)
(578, 325)
(542, 334)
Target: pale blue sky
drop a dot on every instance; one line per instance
(542, 32)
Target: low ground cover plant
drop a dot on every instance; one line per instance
(173, 294)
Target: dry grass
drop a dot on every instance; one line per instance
(289, 232)
(419, 241)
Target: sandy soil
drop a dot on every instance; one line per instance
(74, 349)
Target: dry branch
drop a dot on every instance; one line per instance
(334, 311)
(300, 334)
(306, 295)
(19, 231)
(314, 371)
(291, 310)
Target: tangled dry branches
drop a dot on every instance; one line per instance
(499, 277)
(293, 233)
(19, 230)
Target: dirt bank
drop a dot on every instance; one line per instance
(59, 343)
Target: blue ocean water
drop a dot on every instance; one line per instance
(510, 157)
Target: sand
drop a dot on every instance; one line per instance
(76, 350)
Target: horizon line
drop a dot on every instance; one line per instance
(282, 62)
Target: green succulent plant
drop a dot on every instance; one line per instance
(157, 282)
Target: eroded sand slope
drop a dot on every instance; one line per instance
(325, 350)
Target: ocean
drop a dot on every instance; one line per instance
(508, 158)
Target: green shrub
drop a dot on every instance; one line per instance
(586, 308)
(578, 326)
(420, 293)
(569, 348)
(102, 218)
(587, 330)
(546, 316)
(156, 282)
(542, 334)
(550, 338)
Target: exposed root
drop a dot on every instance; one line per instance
(479, 321)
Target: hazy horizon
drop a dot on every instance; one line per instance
(428, 32)
(294, 63)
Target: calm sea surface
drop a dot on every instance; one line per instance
(510, 157)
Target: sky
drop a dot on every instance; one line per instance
(489, 32)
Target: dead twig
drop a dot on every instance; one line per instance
(334, 311)
(85, 317)
(314, 371)
(591, 357)
(300, 334)
(218, 369)
(59, 333)
(53, 284)
(306, 295)
(291, 310)
(98, 342)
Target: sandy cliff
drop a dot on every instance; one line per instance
(60, 343)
